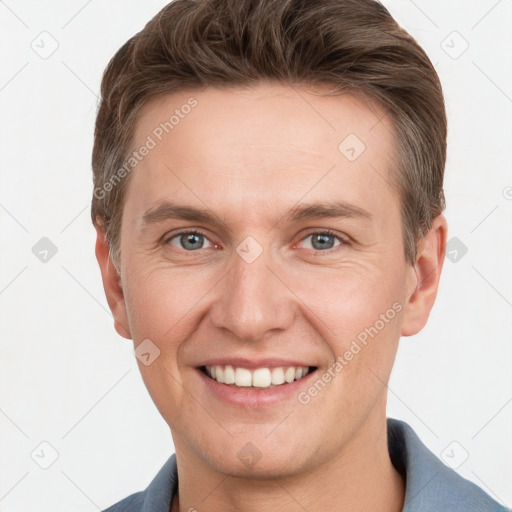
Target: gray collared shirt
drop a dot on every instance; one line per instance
(430, 485)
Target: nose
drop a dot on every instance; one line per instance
(253, 300)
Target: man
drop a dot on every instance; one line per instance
(268, 201)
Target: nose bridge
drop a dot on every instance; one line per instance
(252, 300)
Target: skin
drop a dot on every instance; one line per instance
(248, 155)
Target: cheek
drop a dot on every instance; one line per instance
(164, 306)
(361, 311)
(158, 298)
(351, 299)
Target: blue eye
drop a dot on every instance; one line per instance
(189, 240)
(323, 240)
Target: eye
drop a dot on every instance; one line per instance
(323, 240)
(189, 240)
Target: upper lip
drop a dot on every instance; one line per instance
(240, 362)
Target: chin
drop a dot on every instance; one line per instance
(257, 459)
(262, 470)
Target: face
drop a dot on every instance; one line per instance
(261, 243)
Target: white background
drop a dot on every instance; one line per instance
(68, 379)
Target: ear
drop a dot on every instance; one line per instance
(425, 274)
(112, 285)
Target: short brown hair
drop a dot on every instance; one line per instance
(352, 45)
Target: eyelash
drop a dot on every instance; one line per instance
(343, 240)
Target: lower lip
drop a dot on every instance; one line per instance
(251, 398)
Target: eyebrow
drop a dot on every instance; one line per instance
(311, 211)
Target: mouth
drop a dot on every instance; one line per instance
(258, 378)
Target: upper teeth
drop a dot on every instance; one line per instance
(259, 378)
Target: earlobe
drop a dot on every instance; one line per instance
(425, 275)
(112, 285)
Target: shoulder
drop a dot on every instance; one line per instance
(431, 485)
(157, 497)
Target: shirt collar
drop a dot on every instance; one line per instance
(430, 485)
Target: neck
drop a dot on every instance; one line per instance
(361, 478)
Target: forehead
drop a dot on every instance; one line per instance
(255, 149)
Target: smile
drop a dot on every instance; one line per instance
(257, 378)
